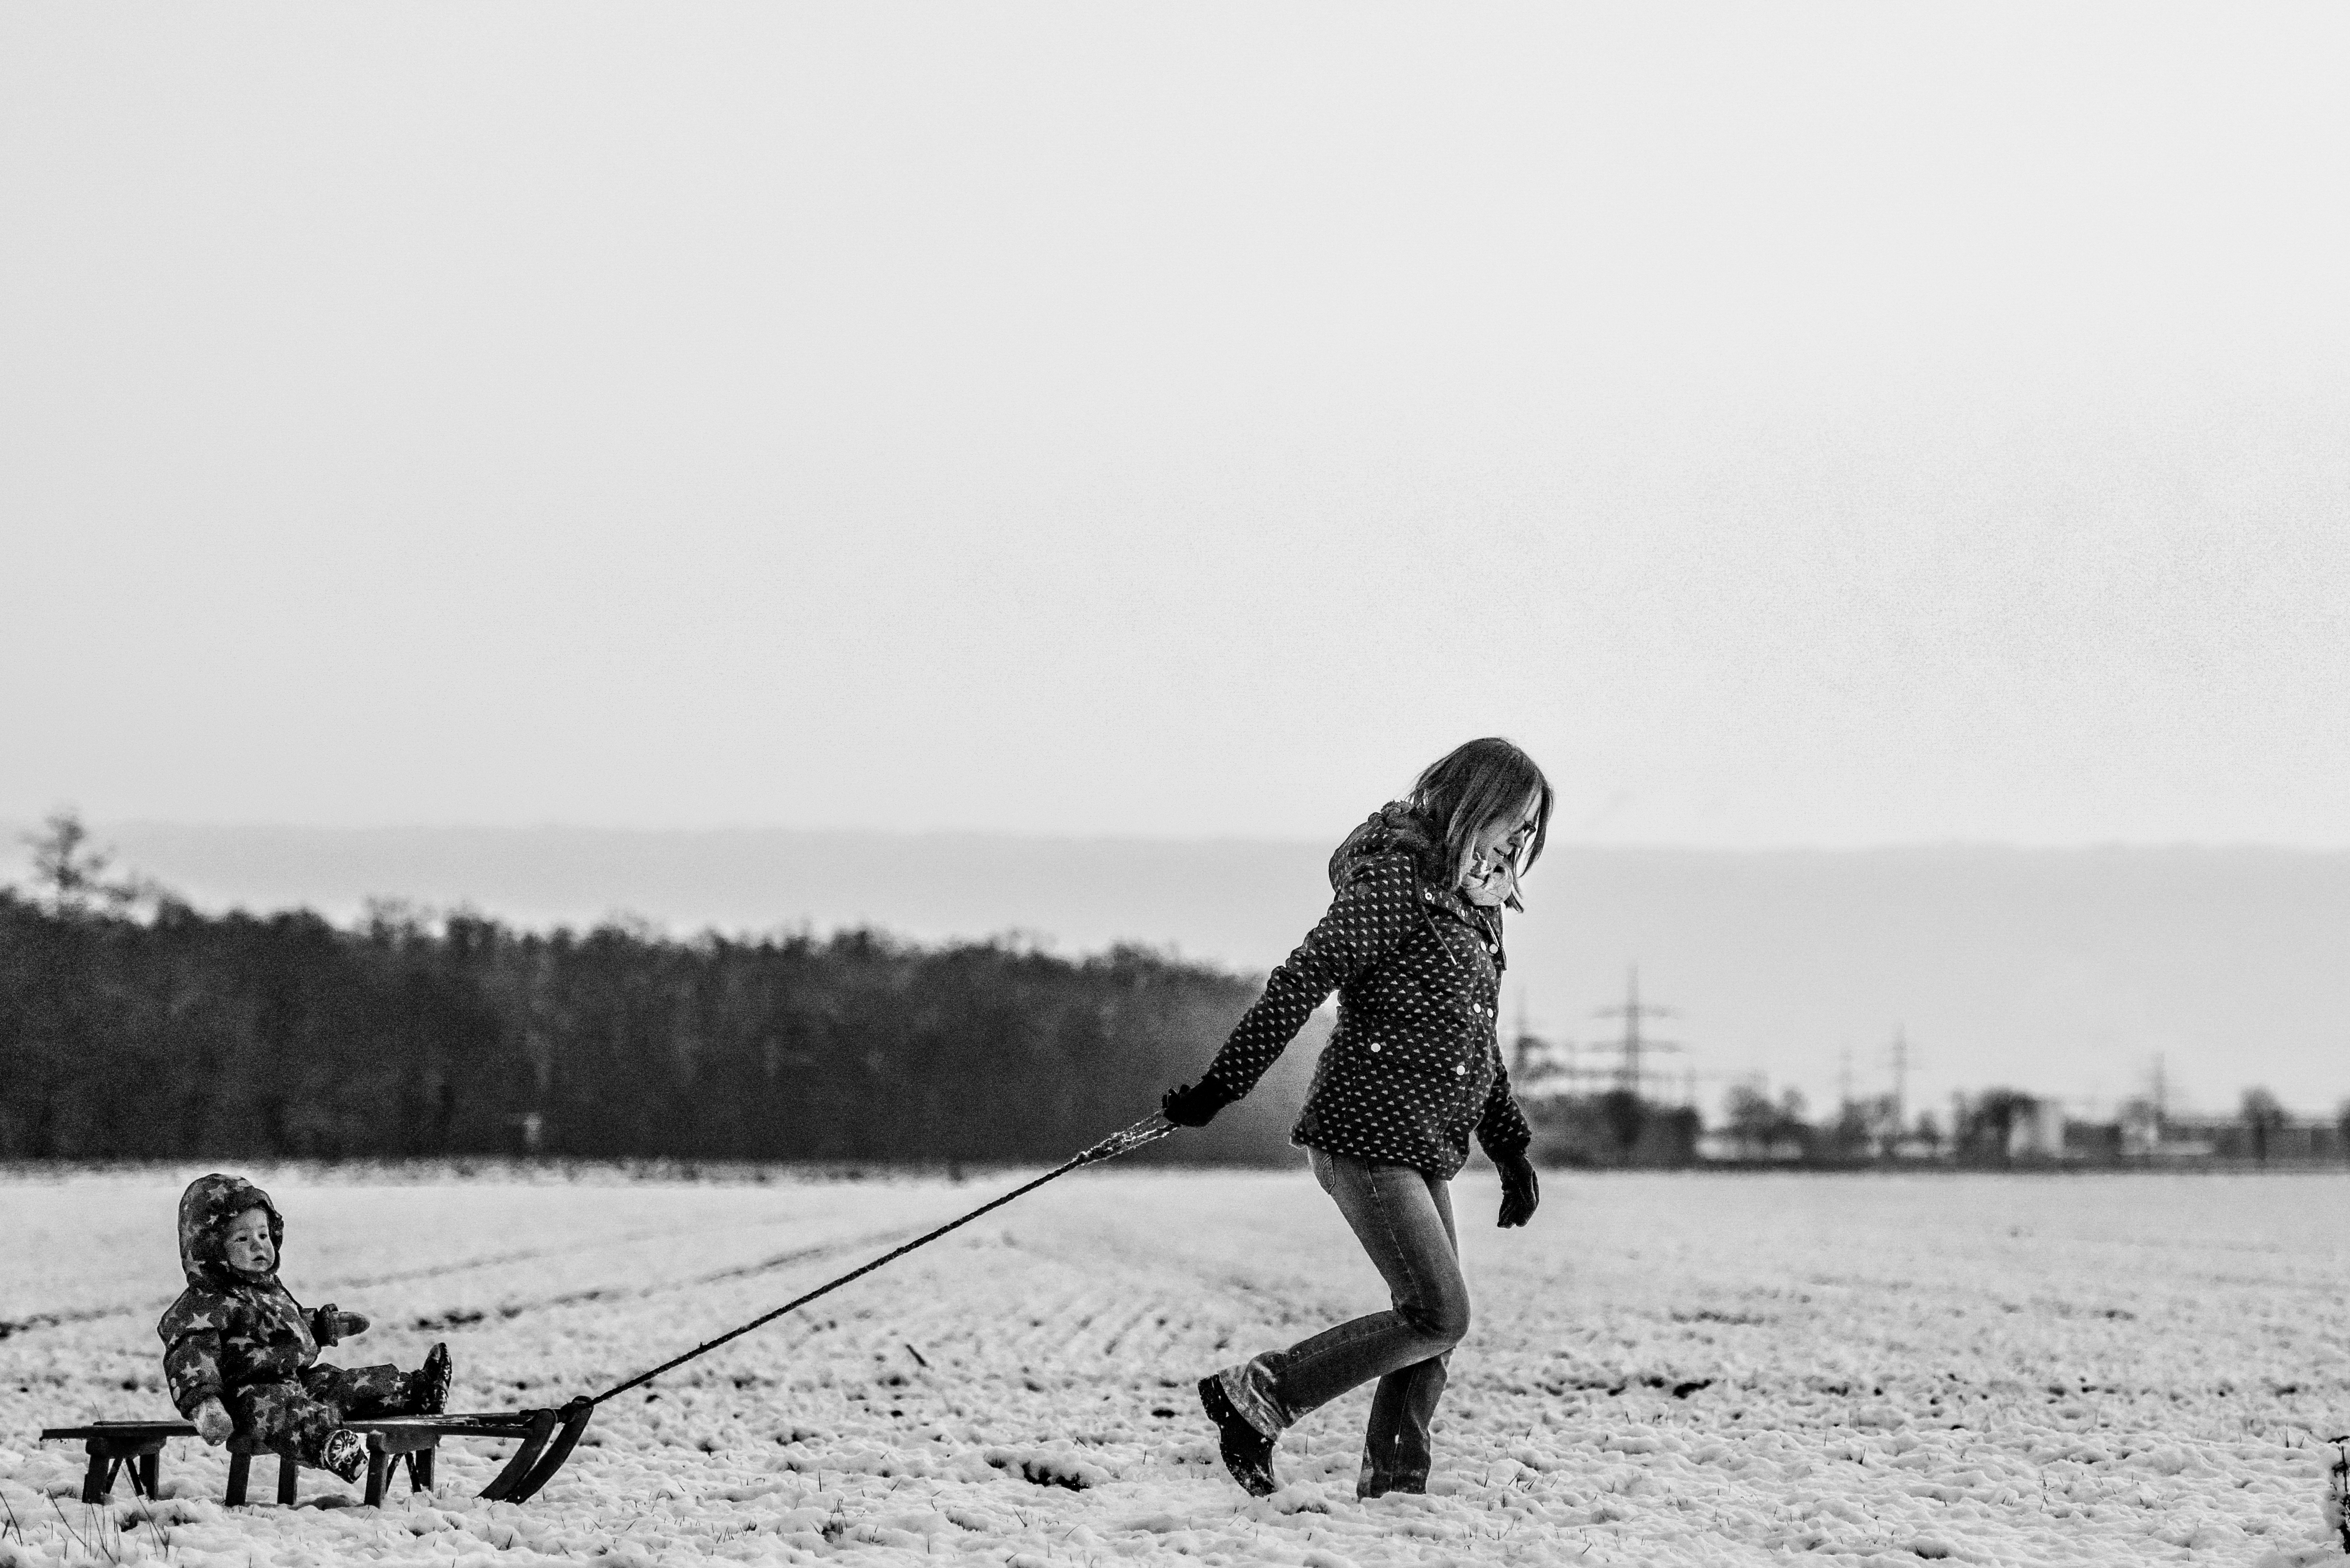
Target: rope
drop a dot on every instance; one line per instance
(1149, 1129)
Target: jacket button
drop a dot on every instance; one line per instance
(1375, 1047)
(1460, 1070)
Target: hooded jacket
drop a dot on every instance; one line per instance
(1414, 1065)
(230, 1329)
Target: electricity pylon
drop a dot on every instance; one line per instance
(1633, 1046)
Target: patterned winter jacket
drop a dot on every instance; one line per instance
(229, 1329)
(1414, 1064)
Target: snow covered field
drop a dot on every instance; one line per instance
(1663, 1370)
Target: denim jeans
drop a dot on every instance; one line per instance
(1403, 1218)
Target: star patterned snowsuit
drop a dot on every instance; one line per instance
(243, 1338)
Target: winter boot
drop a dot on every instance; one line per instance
(344, 1453)
(1248, 1453)
(427, 1386)
(1368, 1486)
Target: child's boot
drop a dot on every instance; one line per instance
(344, 1453)
(427, 1386)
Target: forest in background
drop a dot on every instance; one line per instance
(183, 1036)
(133, 1026)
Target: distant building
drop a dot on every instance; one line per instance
(2296, 1140)
(2036, 1131)
(1724, 1145)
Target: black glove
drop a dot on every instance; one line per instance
(1520, 1191)
(1189, 1106)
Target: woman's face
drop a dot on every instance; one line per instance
(1494, 853)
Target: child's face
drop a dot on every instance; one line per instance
(247, 1242)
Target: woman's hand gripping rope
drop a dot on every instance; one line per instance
(1192, 1106)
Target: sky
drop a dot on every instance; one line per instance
(1829, 426)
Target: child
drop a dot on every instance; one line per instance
(240, 1353)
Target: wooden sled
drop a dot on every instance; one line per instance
(135, 1449)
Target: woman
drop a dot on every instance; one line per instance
(1412, 944)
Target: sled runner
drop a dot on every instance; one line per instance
(547, 1436)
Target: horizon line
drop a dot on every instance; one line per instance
(99, 828)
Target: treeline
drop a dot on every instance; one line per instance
(1610, 1130)
(2006, 1129)
(178, 1034)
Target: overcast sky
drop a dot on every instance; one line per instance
(1800, 424)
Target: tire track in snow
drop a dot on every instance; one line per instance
(466, 1317)
(1207, 1287)
(1117, 1337)
(1014, 1315)
(10, 1327)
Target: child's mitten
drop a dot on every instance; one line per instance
(331, 1325)
(212, 1423)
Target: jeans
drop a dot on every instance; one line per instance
(1403, 1218)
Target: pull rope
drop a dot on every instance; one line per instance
(1149, 1129)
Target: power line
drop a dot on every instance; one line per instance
(1633, 1046)
(1900, 1079)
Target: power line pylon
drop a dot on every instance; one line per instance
(1525, 1047)
(1900, 1079)
(1630, 1048)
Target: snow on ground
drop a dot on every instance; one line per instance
(1662, 1370)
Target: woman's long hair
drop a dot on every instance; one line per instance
(1471, 786)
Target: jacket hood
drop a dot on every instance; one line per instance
(1394, 828)
(206, 1208)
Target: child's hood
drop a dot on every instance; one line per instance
(206, 1209)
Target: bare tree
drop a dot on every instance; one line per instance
(1763, 1125)
(69, 873)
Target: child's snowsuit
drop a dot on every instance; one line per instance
(241, 1338)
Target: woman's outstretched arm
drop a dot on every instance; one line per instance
(1369, 918)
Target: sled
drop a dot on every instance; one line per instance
(135, 1450)
(547, 1436)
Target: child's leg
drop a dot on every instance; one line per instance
(286, 1419)
(359, 1392)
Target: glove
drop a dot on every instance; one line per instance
(331, 1325)
(1520, 1191)
(213, 1423)
(1187, 1106)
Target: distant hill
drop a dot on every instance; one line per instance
(2063, 971)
